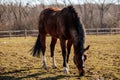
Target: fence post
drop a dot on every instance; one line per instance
(96, 31)
(9, 34)
(25, 33)
(110, 31)
(116, 31)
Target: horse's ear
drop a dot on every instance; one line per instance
(87, 48)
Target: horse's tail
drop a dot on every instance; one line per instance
(37, 47)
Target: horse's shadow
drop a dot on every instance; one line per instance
(7, 78)
(4, 76)
(14, 71)
(56, 77)
(20, 78)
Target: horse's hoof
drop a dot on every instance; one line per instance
(54, 67)
(66, 71)
(44, 67)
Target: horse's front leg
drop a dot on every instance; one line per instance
(63, 47)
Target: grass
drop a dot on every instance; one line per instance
(16, 63)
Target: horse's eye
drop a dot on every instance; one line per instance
(85, 57)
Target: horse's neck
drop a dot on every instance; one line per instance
(78, 41)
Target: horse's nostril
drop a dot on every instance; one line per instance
(81, 74)
(83, 66)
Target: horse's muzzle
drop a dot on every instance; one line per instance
(82, 72)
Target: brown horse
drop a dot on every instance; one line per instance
(66, 26)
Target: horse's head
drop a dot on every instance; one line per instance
(79, 60)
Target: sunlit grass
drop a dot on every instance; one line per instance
(103, 60)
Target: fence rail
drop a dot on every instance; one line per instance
(99, 31)
(25, 33)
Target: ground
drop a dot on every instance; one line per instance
(16, 63)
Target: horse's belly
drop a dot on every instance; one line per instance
(54, 35)
(52, 32)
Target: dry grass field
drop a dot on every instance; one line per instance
(16, 63)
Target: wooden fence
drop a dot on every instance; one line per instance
(102, 31)
(25, 33)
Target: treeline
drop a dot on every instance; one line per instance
(19, 17)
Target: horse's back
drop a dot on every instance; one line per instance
(47, 21)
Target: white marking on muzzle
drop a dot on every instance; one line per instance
(83, 58)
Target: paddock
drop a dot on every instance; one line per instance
(103, 62)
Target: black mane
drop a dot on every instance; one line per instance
(79, 28)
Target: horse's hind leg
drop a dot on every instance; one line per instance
(69, 44)
(43, 39)
(52, 47)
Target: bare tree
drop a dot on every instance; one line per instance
(70, 2)
(57, 3)
(20, 13)
(64, 1)
(103, 7)
(42, 3)
(91, 15)
(118, 1)
(80, 7)
(2, 11)
(85, 13)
